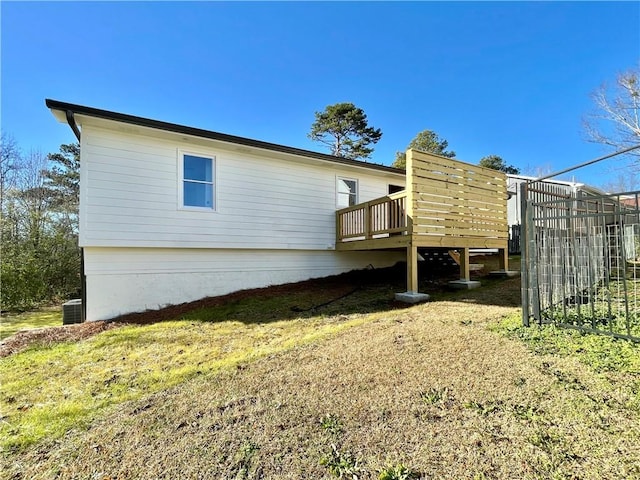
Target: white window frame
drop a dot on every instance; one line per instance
(214, 180)
(357, 193)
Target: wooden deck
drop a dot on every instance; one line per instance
(446, 203)
(379, 223)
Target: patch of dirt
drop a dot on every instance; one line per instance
(51, 335)
(337, 283)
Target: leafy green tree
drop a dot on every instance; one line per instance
(24, 230)
(40, 260)
(425, 141)
(496, 162)
(62, 181)
(343, 127)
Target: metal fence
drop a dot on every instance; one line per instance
(581, 260)
(514, 239)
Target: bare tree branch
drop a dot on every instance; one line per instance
(616, 120)
(10, 163)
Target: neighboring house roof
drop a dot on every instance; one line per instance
(552, 180)
(572, 185)
(70, 109)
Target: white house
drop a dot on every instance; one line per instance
(561, 187)
(514, 183)
(171, 214)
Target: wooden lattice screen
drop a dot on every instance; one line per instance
(452, 203)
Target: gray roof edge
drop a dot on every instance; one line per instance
(223, 137)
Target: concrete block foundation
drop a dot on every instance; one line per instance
(464, 284)
(505, 273)
(412, 297)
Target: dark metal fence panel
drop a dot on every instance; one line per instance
(514, 239)
(581, 260)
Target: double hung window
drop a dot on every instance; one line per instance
(346, 192)
(198, 181)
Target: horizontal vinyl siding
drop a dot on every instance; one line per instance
(129, 196)
(124, 280)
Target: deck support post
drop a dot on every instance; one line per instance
(503, 259)
(503, 264)
(465, 282)
(412, 295)
(412, 269)
(464, 265)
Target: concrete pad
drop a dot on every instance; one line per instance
(505, 273)
(464, 284)
(412, 297)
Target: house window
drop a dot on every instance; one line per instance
(346, 192)
(198, 181)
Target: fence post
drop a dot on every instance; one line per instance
(524, 252)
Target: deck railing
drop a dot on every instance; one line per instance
(448, 204)
(377, 218)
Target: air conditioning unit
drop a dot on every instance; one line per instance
(72, 312)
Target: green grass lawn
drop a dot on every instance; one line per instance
(601, 353)
(45, 392)
(12, 323)
(268, 387)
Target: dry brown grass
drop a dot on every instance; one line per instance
(429, 386)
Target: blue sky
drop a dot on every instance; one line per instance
(506, 78)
